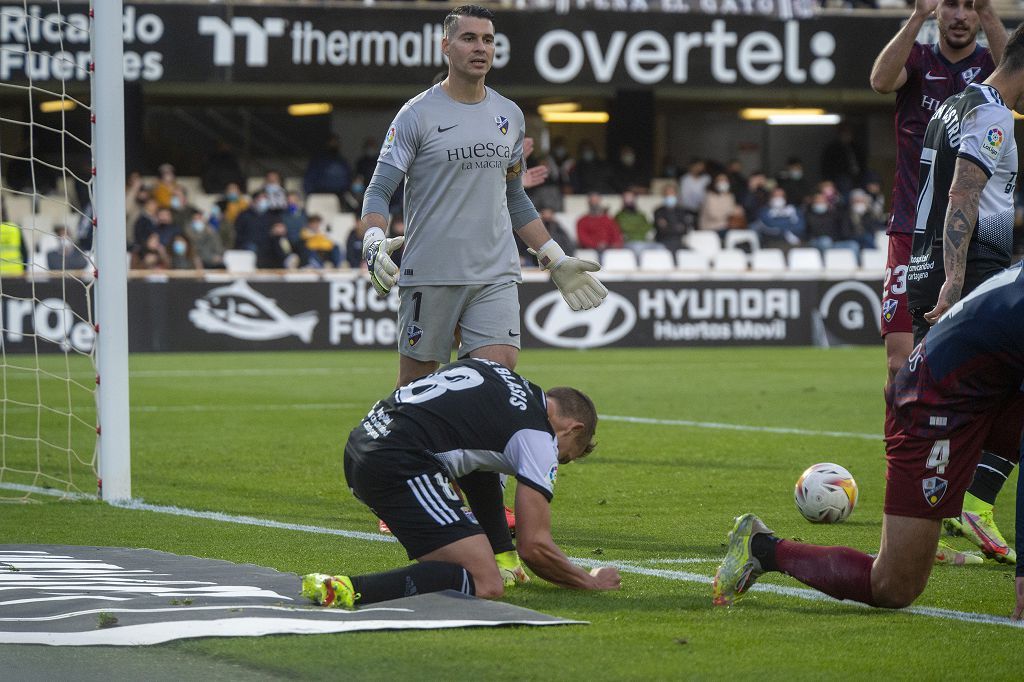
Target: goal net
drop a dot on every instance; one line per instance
(54, 204)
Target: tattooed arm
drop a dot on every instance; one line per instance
(961, 217)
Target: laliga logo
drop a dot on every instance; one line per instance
(550, 320)
(852, 311)
(240, 311)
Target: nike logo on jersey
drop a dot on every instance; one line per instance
(511, 334)
(442, 130)
(929, 77)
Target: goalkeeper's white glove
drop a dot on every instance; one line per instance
(578, 287)
(377, 250)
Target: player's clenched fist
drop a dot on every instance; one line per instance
(377, 251)
(578, 287)
(607, 578)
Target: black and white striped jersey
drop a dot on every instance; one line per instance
(470, 415)
(974, 125)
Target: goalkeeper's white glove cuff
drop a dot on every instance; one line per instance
(550, 255)
(371, 236)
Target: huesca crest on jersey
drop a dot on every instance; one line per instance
(502, 123)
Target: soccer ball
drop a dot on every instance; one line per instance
(825, 493)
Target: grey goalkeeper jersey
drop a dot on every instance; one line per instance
(455, 158)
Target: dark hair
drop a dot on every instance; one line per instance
(1013, 55)
(465, 11)
(576, 405)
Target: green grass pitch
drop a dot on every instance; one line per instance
(261, 435)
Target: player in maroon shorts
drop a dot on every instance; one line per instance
(924, 76)
(960, 390)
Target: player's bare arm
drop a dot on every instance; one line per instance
(538, 550)
(888, 73)
(993, 26)
(961, 216)
(1018, 610)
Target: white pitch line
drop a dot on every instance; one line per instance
(612, 418)
(740, 427)
(624, 567)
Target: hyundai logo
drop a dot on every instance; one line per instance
(552, 321)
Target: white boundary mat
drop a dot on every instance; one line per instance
(66, 595)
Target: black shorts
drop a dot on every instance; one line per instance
(412, 493)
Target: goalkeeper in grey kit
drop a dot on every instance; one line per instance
(458, 146)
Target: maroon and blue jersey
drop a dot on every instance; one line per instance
(931, 80)
(970, 363)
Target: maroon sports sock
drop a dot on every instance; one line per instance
(839, 572)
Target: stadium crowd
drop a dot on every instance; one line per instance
(586, 201)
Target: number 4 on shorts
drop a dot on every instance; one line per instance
(939, 456)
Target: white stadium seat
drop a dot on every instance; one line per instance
(705, 242)
(339, 225)
(873, 259)
(729, 259)
(618, 259)
(805, 259)
(239, 260)
(575, 205)
(648, 204)
(324, 205)
(656, 259)
(840, 259)
(733, 238)
(768, 260)
(691, 260)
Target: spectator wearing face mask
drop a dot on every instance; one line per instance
(635, 228)
(591, 173)
(627, 175)
(756, 197)
(352, 199)
(183, 256)
(779, 224)
(253, 224)
(166, 185)
(826, 223)
(719, 206)
(206, 242)
(794, 181)
(693, 186)
(863, 224)
(671, 221)
(166, 227)
(181, 209)
(596, 229)
(273, 188)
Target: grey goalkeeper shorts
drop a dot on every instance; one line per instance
(428, 315)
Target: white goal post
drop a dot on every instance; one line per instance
(64, 401)
(113, 415)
